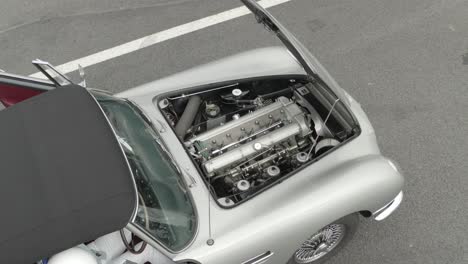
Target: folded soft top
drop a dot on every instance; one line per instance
(64, 179)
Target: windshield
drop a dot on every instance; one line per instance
(165, 210)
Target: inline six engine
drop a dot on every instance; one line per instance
(245, 136)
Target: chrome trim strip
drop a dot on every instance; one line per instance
(20, 80)
(39, 64)
(141, 232)
(389, 208)
(44, 81)
(135, 210)
(262, 258)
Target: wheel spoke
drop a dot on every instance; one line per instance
(321, 243)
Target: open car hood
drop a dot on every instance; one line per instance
(64, 179)
(310, 64)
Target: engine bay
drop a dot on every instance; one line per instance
(246, 136)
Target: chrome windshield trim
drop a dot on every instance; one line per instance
(135, 210)
(135, 228)
(389, 208)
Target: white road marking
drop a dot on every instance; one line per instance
(158, 37)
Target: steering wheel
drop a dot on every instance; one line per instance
(130, 245)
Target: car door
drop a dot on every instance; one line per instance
(16, 88)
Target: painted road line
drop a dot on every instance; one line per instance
(159, 37)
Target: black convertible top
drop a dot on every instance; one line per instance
(64, 179)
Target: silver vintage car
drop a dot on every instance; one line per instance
(260, 157)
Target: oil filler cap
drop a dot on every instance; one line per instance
(237, 92)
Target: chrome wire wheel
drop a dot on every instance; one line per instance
(320, 244)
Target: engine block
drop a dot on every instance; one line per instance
(239, 139)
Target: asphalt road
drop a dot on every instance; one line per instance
(403, 60)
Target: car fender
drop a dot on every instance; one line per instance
(299, 207)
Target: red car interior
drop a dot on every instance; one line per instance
(11, 94)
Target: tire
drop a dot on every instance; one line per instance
(347, 225)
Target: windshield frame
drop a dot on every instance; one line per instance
(140, 231)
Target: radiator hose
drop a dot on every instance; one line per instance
(188, 116)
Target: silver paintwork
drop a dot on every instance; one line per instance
(226, 202)
(339, 184)
(355, 177)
